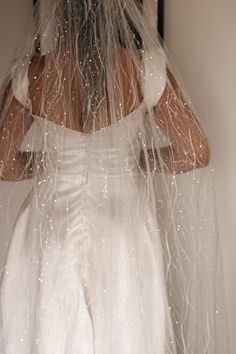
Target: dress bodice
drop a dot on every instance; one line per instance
(114, 148)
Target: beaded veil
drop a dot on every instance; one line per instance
(120, 215)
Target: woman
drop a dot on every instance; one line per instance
(99, 261)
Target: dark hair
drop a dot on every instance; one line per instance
(136, 35)
(90, 34)
(91, 22)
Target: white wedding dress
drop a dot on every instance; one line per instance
(78, 280)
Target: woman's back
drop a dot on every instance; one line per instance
(52, 103)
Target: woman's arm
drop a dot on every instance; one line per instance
(16, 122)
(189, 146)
(16, 165)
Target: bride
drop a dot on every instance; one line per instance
(107, 255)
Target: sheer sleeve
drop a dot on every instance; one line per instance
(20, 86)
(154, 77)
(154, 80)
(16, 120)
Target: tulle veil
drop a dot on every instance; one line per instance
(89, 50)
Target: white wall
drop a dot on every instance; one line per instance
(14, 16)
(201, 37)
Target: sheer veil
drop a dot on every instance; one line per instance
(101, 93)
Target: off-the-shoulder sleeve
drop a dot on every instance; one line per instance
(154, 76)
(20, 85)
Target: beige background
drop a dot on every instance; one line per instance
(201, 37)
(14, 19)
(14, 15)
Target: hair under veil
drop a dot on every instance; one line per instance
(115, 249)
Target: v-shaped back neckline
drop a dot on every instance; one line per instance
(141, 108)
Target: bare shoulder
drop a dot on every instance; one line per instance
(35, 72)
(35, 76)
(127, 59)
(36, 66)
